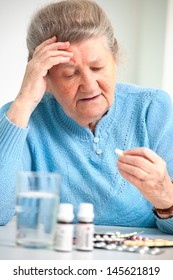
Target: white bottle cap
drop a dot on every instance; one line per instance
(86, 212)
(65, 212)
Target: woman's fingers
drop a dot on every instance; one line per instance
(135, 170)
(54, 53)
(45, 43)
(147, 172)
(131, 179)
(143, 152)
(131, 161)
(45, 65)
(50, 45)
(142, 163)
(49, 54)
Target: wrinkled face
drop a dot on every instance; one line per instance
(85, 85)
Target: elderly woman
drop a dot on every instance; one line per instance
(70, 115)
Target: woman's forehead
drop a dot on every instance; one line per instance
(94, 49)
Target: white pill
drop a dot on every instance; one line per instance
(119, 152)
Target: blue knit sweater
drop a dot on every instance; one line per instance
(54, 142)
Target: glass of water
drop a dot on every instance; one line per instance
(37, 199)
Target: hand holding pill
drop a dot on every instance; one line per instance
(144, 169)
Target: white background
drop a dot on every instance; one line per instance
(144, 29)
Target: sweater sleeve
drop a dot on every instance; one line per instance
(160, 129)
(165, 225)
(12, 141)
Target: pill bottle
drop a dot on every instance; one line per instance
(85, 227)
(64, 228)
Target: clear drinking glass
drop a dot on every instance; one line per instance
(37, 199)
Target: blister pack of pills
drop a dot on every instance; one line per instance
(130, 242)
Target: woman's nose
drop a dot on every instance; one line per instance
(88, 83)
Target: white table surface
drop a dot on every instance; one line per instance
(9, 250)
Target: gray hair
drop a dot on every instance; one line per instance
(70, 20)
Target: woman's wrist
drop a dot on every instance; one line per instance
(164, 213)
(20, 112)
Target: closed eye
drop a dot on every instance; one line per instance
(96, 68)
(70, 75)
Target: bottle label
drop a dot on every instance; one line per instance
(64, 237)
(85, 237)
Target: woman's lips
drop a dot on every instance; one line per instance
(90, 98)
